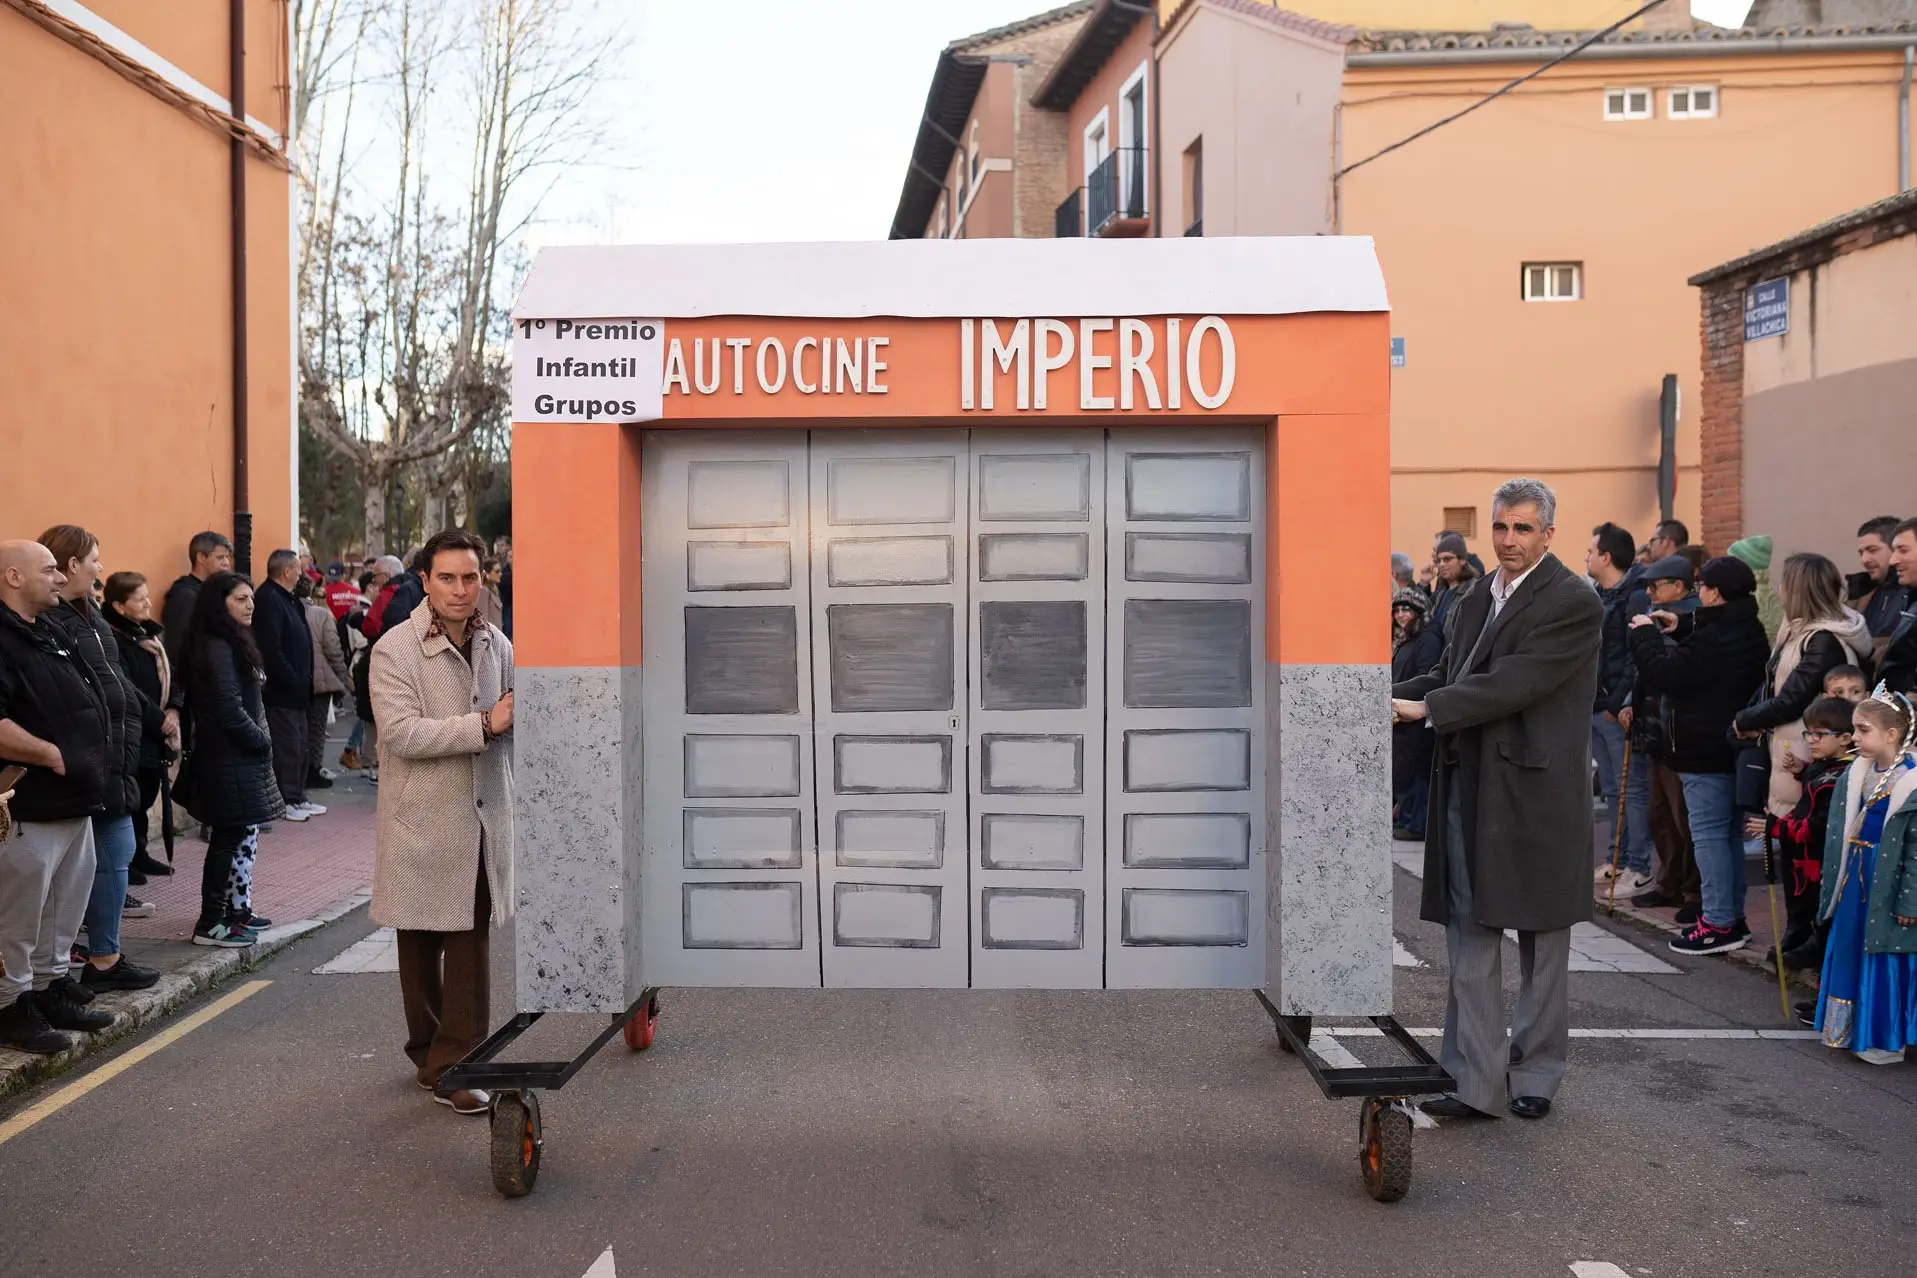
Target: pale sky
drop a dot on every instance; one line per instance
(753, 120)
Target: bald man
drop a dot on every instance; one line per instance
(52, 724)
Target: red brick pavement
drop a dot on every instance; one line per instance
(303, 869)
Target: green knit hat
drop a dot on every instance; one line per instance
(1754, 550)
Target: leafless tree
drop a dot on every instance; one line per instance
(403, 359)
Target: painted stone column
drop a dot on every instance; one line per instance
(1327, 692)
(576, 771)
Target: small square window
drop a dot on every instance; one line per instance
(1627, 104)
(1553, 281)
(1694, 102)
(1462, 520)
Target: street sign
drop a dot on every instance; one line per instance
(1397, 352)
(588, 370)
(1767, 309)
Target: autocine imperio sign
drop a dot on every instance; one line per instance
(623, 370)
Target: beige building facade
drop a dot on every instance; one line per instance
(1810, 372)
(1536, 250)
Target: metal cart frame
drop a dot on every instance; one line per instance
(1385, 1118)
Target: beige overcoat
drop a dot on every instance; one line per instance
(440, 783)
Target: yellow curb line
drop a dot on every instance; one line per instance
(73, 1091)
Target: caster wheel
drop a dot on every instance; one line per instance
(641, 1028)
(1299, 1025)
(516, 1142)
(1384, 1150)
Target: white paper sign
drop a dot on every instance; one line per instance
(588, 370)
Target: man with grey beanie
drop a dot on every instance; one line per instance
(1452, 559)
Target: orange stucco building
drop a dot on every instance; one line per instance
(1536, 250)
(117, 266)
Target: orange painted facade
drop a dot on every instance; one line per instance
(1319, 382)
(1495, 386)
(114, 252)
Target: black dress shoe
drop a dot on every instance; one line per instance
(1530, 1106)
(1451, 1107)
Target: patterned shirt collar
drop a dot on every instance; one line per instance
(475, 625)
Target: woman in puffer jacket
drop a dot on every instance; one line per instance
(1818, 633)
(230, 786)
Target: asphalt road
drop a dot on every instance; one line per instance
(963, 1133)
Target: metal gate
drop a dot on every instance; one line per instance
(939, 708)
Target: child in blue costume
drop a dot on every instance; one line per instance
(1867, 1001)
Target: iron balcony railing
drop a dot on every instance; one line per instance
(1116, 189)
(1068, 222)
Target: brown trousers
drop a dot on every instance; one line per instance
(445, 985)
(1671, 836)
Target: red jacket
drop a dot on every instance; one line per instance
(372, 622)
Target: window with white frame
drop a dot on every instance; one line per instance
(1553, 281)
(1627, 104)
(940, 222)
(1693, 102)
(973, 159)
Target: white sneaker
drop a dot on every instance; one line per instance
(1630, 883)
(1606, 872)
(1878, 1056)
(327, 774)
(296, 812)
(314, 809)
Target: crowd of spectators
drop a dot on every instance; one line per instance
(1725, 716)
(111, 717)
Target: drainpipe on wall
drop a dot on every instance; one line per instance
(1903, 121)
(236, 171)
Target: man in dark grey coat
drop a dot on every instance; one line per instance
(1511, 704)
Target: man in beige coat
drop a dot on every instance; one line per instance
(442, 693)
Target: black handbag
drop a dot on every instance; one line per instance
(1752, 774)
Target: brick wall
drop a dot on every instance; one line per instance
(1040, 139)
(1721, 330)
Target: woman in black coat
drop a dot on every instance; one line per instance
(1416, 647)
(129, 612)
(229, 783)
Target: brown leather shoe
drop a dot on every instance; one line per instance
(475, 1100)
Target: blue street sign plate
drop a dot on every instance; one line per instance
(1397, 352)
(1767, 310)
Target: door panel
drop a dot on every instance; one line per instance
(1037, 709)
(730, 874)
(889, 564)
(1185, 635)
(930, 709)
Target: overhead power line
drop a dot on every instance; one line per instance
(1455, 116)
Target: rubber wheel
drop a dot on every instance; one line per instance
(1301, 1026)
(516, 1142)
(642, 1027)
(1384, 1151)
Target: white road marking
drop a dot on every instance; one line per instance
(1598, 1269)
(378, 952)
(1719, 1035)
(602, 1267)
(1331, 1051)
(1592, 948)
(1401, 957)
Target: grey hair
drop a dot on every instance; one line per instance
(278, 560)
(1515, 492)
(1401, 569)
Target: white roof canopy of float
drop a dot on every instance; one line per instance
(945, 278)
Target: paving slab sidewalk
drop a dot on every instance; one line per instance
(308, 874)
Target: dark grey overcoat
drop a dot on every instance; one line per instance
(1517, 709)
